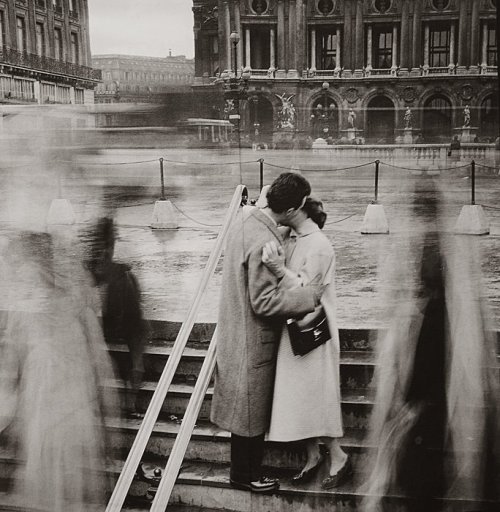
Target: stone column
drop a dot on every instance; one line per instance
(281, 39)
(474, 44)
(462, 37)
(300, 40)
(338, 49)
(417, 37)
(359, 43)
(226, 31)
(312, 65)
(452, 45)
(248, 48)
(394, 48)
(237, 28)
(272, 42)
(347, 50)
(292, 40)
(369, 48)
(405, 28)
(426, 48)
(484, 48)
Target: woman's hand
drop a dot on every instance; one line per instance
(273, 257)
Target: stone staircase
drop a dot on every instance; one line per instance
(203, 479)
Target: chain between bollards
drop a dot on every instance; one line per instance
(162, 198)
(473, 182)
(377, 164)
(261, 174)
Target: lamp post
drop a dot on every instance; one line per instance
(236, 88)
(325, 86)
(235, 39)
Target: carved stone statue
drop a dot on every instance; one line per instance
(466, 116)
(286, 115)
(408, 118)
(351, 118)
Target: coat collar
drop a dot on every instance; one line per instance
(307, 228)
(265, 219)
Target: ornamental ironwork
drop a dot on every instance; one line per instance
(34, 62)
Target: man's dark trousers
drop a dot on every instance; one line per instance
(246, 458)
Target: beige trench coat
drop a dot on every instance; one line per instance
(253, 306)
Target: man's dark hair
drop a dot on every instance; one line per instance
(287, 191)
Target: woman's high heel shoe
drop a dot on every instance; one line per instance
(307, 475)
(341, 476)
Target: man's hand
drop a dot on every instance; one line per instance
(318, 290)
(273, 257)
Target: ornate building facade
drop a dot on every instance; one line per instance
(129, 78)
(325, 67)
(45, 52)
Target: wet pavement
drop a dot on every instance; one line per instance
(200, 184)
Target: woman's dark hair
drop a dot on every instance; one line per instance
(314, 209)
(287, 191)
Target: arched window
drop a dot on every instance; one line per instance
(489, 117)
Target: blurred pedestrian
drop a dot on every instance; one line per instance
(53, 367)
(455, 145)
(122, 318)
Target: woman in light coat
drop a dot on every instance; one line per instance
(306, 399)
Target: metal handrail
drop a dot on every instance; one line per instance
(181, 443)
(134, 457)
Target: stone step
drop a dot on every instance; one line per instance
(356, 404)
(356, 367)
(163, 331)
(209, 443)
(205, 486)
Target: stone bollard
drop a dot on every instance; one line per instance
(472, 221)
(164, 215)
(375, 221)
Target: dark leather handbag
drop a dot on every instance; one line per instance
(304, 340)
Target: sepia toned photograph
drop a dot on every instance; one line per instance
(249, 256)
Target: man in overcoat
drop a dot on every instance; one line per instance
(253, 308)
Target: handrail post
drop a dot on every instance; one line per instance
(162, 198)
(473, 182)
(377, 164)
(261, 174)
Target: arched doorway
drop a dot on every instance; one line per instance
(437, 119)
(261, 119)
(381, 120)
(489, 117)
(325, 118)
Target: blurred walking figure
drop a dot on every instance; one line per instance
(435, 423)
(52, 367)
(122, 319)
(306, 400)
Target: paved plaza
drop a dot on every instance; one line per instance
(200, 184)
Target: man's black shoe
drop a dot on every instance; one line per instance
(263, 485)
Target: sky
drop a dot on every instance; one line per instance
(141, 27)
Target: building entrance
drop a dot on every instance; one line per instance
(381, 120)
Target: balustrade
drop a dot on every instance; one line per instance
(33, 61)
